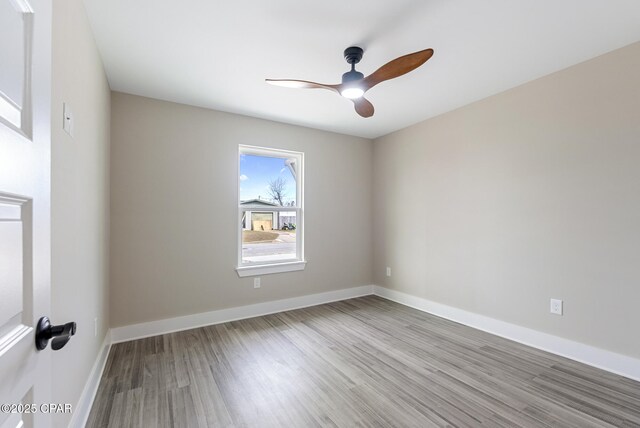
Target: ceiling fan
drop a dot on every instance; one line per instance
(354, 84)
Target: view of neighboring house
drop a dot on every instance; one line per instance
(263, 218)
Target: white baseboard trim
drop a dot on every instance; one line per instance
(590, 355)
(83, 408)
(155, 328)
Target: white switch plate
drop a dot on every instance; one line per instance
(388, 271)
(256, 283)
(95, 327)
(67, 119)
(556, 306)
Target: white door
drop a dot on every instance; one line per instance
(25, 134)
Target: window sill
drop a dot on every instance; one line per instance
(268, 269)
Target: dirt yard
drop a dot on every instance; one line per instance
(258, 236)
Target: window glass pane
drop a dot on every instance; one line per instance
(267, 181)
(268, 236)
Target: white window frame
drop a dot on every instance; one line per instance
(289, 265)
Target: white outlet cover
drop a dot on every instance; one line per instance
(388, 271)
(556, 306)
(256, 283)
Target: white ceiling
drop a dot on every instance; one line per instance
(216, 54)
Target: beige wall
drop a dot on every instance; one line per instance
(530, 194)
(174, 210)
(79, 199)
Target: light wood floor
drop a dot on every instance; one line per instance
(362, 362)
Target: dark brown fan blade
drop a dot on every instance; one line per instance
(397, 68)
(304, 84)
(363, 107)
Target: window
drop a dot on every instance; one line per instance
(270, 211)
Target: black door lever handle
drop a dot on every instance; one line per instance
(59, 333)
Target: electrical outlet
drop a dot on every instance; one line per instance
(388, 271)
(256, 282)
(95, 327)
(556, 306)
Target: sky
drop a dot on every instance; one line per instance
(257, 171)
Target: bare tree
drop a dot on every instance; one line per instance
(278, 190)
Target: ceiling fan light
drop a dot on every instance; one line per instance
(352, 92)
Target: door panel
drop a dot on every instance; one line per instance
(12, 50)
(25, 136)
(12, 298)
(16, 51)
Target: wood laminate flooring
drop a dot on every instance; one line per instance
(364, 362)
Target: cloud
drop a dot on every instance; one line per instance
(243, 177)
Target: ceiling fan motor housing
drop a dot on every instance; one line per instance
(352, 75)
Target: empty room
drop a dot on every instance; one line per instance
(419, 213)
